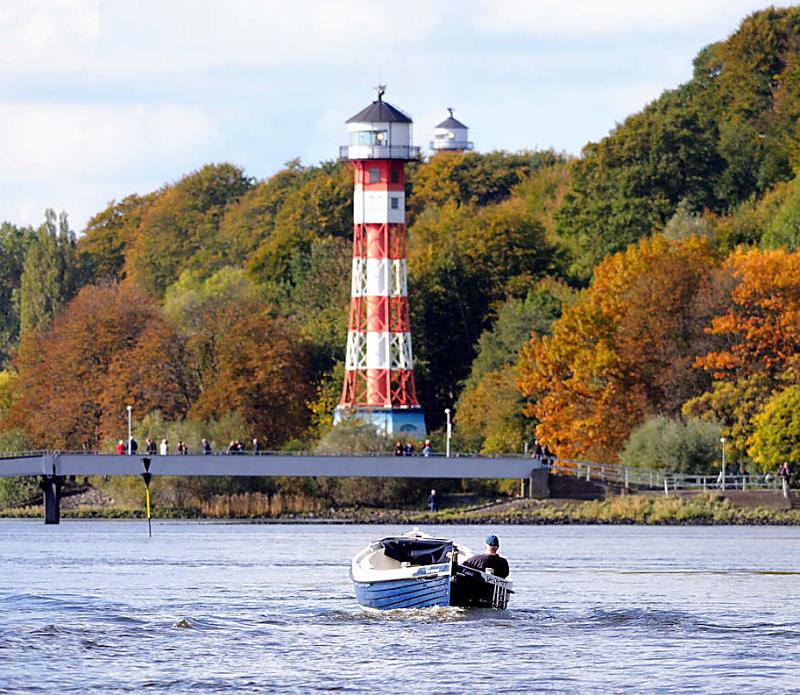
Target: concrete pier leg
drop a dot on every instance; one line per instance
(51, 487)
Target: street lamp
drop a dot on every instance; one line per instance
(722, 439)
(449, 431)
(130, 437)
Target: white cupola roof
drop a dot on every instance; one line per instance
(451, 134)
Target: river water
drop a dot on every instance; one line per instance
(96, 606)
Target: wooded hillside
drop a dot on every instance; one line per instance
(655, 279)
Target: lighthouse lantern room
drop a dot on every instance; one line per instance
(379, 372)
(451, 135)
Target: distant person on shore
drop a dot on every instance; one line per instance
(433, 501)
(163, 448)
(120, 448)
(256, 446)
(133, 446)
(398, 448)
(538, 452)
(785, 473)
(489, 559)
(408, 449)
(150, 445)
(205, 446)
(427, 449)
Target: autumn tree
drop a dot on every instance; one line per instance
(625, 350)
(179, 230)
(107, 237)
(761, 329)
(243, 357)
(759, 338)
(471, 178)
(322, 206)
(108, 348)
(250, 221)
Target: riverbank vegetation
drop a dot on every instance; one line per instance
(639, 301)
(706, 509)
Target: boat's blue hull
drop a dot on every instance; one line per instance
(421, 592)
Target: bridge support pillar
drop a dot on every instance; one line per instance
(51, 487)
(539, 484)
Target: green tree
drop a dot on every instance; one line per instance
(14, 244)
(726, 135)
(464, 262)
(49, 277)
(674, 445)
(783, 229)
(489, 412)
(776, 437)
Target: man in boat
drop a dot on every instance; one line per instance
(490, 559)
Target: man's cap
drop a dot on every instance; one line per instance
(492, 540)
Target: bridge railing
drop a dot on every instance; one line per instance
(249, 452)
(627, 476)
(684, 481)
(624, 476)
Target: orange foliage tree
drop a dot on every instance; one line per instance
(761, 329)
(625, 350)
(109, 348)
(758, 340)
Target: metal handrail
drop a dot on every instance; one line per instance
(452, 145)
(379, 152)
(249, 452)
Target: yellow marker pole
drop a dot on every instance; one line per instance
(147, 498)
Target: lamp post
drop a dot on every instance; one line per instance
(449, 431)
(722, 440)
(130, 409)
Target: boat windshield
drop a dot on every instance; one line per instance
(417, 551)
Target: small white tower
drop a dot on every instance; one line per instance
(451, 135)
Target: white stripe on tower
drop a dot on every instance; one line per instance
(378, 207)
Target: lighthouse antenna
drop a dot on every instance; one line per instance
(450, 110)
(380, 88)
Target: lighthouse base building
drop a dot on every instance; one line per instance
(379, 371)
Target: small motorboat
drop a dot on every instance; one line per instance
(416, 570)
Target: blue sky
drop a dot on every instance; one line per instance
(102, 99)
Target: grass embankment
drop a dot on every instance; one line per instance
(704, 509)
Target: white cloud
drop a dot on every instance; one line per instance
(46, 141)
(593, 19)
(153, 36)
(54, 33)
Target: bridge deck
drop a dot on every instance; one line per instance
(270, 465)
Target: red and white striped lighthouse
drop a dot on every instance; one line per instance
(379, 371)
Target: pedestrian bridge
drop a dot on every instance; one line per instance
(301, 465)
(54, 466)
